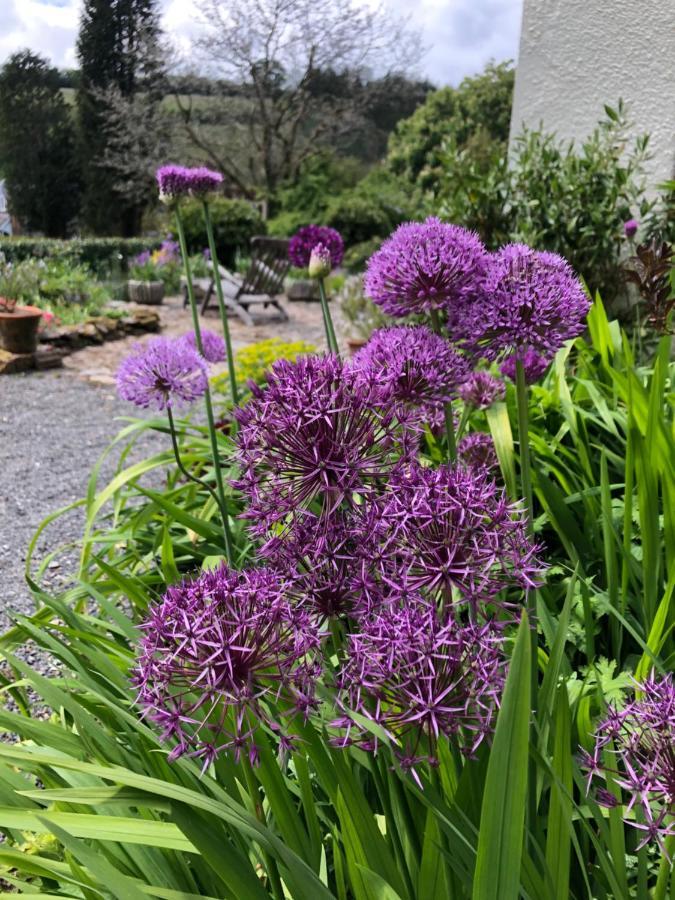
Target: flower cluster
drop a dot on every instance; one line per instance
(425, 267)
(180, 181)
(533, 365)
(532, 301)
(213, 345)
(635, 747)
(419, 674)
(481, 390)
(306, 239)
(223, 655)
(451, 533)
(311, 438)
(478, 450)
(412, 365)
(162, 374)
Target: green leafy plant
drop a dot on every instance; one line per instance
(235, 222)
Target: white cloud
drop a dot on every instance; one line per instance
(44, 27)
(461, 35)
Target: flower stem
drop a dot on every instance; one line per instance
(256, 798)
(207, 396)
(191, 477)
(327, 320)
(221, 303)
(447, 409)
(665, 869)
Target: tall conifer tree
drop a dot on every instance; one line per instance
(117, 52)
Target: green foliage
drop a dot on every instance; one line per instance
(474, 117)
(566, 198)
(69, 292)
(373, 208)
(253, 361)
(37, 146)
(235, 222)
(357, 255)
(104, 256)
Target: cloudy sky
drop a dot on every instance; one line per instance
(462, 35)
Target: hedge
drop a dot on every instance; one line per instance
(101, 255)
(235, 222)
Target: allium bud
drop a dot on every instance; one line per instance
(320, 263)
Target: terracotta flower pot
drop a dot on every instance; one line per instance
(151, 293)
(355, 344)
(19, 329)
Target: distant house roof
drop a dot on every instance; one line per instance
(5, 220)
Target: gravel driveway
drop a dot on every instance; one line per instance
(53, 427)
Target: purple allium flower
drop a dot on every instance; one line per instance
(305, 240)
(635, 746)
(162, 373)
(312, 436)
(177, 181)
(412, 364)
(142, 258)
(478, 450)
(533, 301)
(481, 390)
(419, 675)
(216, 655)
(319, 559)
(427, 266)
(630, 227)
(451, 528)
(534, 365)
(320, 263)
(212, 344)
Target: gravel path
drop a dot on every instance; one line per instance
(53, 427)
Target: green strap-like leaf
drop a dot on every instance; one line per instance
(502, 822)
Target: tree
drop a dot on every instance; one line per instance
(37, 146)
(119, 61)
(301, 65)
(473, 117)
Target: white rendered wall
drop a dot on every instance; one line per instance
(577, 55)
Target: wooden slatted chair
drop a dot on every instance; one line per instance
(261, 286)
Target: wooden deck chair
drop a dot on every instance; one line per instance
(262, 284)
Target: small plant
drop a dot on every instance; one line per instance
(12, 285)
(361, 313)
(651, 270)
(253, 361)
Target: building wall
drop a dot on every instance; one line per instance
(577, 55)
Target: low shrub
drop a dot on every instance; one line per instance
(102, 255)
(254, 360)
(235, 222)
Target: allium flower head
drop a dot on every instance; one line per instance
(313, 433)
(419, 675)
(163, 373)
(217, 654)
(534, 365)
(305, 240)
(178, 181)
(449, 530)
(642, 756)
(427, 266)
(481, 390)
(212, 344)
(319, 559)
(320, 262)
(533, 301)
(630, 227)
(412, 364)
(478, 450)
